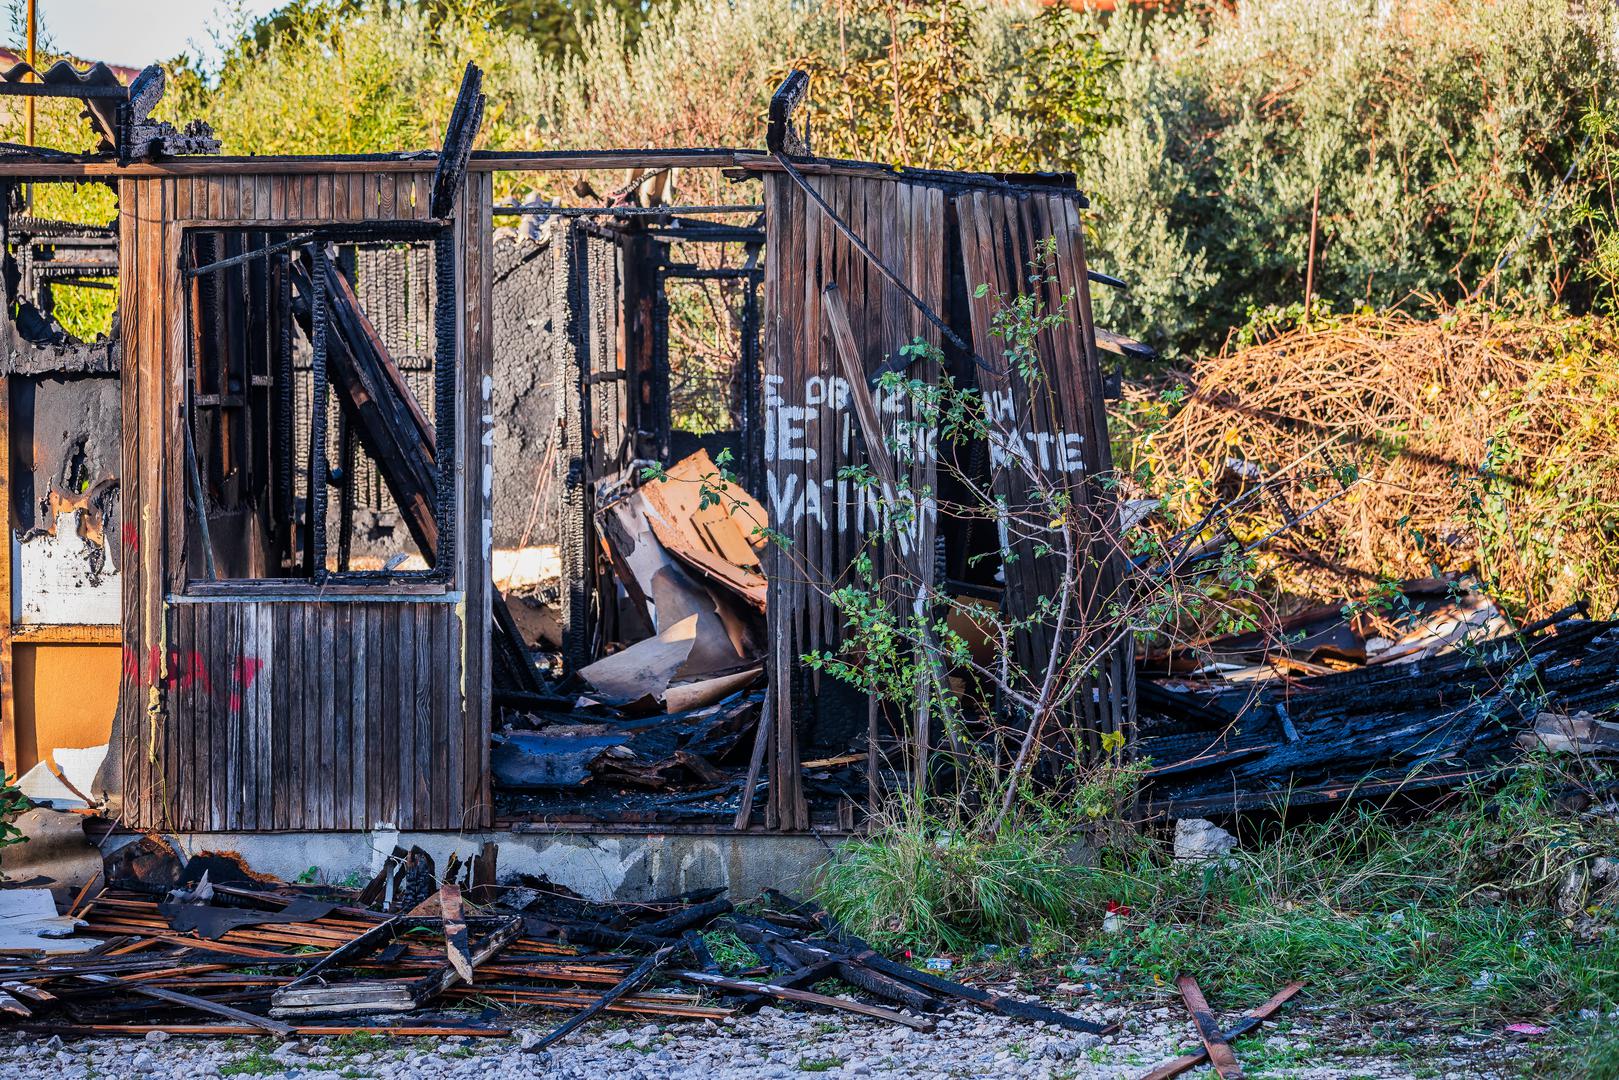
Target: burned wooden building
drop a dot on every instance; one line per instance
(275, 510)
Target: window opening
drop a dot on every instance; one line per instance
(320, 391)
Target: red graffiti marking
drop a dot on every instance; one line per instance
(247, 669)
(189, 671)
(243, 672)
(132, 537)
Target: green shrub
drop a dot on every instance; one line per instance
(1435, 131)
(12, 803)
(1372, 902)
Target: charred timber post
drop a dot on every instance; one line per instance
(459, 135)
(782, 136)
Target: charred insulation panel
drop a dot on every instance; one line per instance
(66, 511)
(530, 322)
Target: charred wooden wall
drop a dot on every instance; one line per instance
(937, 237)
(809, 423)
(287, 707)
(999, 236)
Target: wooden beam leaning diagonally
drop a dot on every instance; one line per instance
(865, 409)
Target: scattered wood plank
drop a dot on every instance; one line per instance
(435, 984)
(627, 985)
(987, 999)
(361, 945)
(804, 997)
(1221, 1056)
(302, 1031)
(1253, 1018)
(228, 1012)
(455, 930)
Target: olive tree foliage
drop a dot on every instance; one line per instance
(1434, 135)
(1436, 132)
(924, 82)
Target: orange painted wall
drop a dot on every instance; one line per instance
(64, 695)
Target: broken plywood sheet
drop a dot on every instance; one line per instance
(646, 668)
(670, 595)
(720, 540)
(695, 695)
(67, 786)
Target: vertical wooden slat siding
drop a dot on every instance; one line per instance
(405, 677)
(150, 252)
(999, 235)
(304, 716)
(825, 519)
(253, 713)
(904, 223)
(357, 659)
(132, 741)
(430, 756)
(475, 686)
(331, 742)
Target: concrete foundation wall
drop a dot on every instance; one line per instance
(597, 865)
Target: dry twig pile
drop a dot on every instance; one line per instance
(1483, 442)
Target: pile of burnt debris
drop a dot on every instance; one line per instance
(206, 946)
(1428, 690)
(660, 728)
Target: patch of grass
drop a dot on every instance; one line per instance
(729, 951)
(1589, 1050)
(1454, 909)
(920, 883)
(359, 1042)
(817, 1065)
(1259, 1059)
(256, 1062)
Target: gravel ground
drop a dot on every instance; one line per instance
(1310, 1044)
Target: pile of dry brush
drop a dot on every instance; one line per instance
(1482, 442)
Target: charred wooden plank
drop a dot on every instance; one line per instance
(459, 135)
(1253, 1018)
(435, 984)
(361, 945)
(627, 985)
(803, 997)
(1219, 1052)
(455, 930)
(174, 997)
